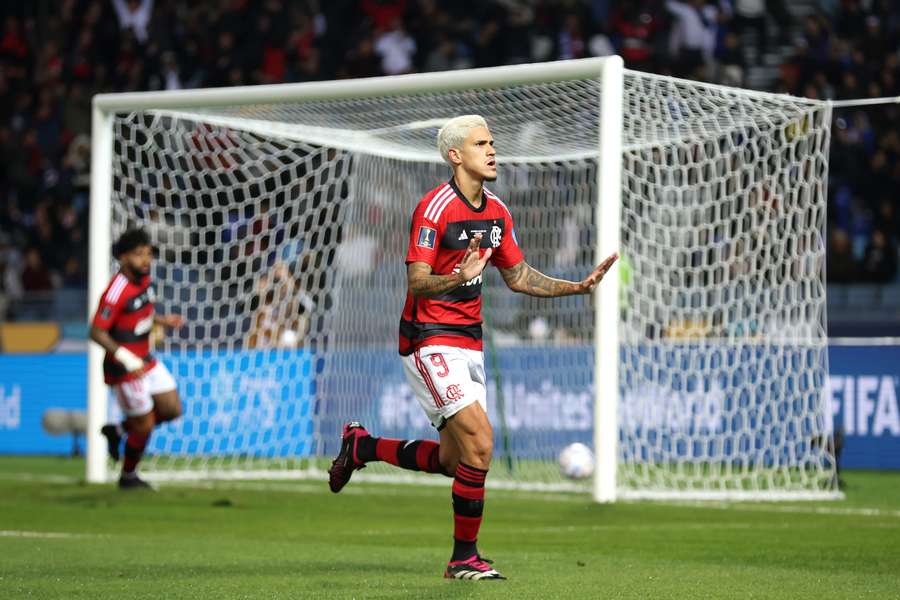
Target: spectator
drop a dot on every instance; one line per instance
(384, 13)
(73, 273)
(10, 279)
(571, 40)
(880, 262)
(35, 276)
(281, 311)
(362, 60)
(731, 61)
(750, 16)
(782, 18)
(134, 15)
(636, 26)
(49, 71)
(396, 48)
(841, 266)
(693, 37)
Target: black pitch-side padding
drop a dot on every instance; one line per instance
(467, 508)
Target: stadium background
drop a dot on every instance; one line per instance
(55, 56)
(61, 539)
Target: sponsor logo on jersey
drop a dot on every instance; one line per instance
(143, 326)
(427, 236)
(474, 281)
(463, 236)
(139, 301)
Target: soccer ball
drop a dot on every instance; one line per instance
(576, 461)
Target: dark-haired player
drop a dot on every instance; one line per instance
(145, 389)
(456, 229)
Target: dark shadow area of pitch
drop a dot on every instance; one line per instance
(109, 496)
(275, 569)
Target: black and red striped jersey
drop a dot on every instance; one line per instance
(442, 225)
(126, 312)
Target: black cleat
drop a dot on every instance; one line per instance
(347, 459)
(133, 482)
(113, 440)
(474, 567)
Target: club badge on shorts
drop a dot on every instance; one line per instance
(454, 392)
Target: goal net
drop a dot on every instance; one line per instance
(281, 219)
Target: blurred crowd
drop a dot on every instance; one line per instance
(55, 55)
(849, 50)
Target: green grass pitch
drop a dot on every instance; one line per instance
(60, 538)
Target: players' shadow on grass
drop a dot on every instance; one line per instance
(107, 496)
(88, 497)
(239, 567)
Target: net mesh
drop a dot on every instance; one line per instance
(282, 228)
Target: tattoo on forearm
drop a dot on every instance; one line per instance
(526, 279)
(426, 285)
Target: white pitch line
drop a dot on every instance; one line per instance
(366, 489)
(582, 528)
(43, 478)
(310, 487)
(44, 535)
(794, 509)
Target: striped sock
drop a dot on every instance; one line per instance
(468, 506)
(134, 450)
(414, 455)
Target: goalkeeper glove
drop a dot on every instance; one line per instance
(128, 359)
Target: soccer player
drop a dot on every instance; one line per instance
(456, 229)
(143, 386)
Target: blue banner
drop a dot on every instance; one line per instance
(29, 385)
(864, 382)
(256, 403)
(262, 403)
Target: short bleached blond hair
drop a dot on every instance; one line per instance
(453, 133)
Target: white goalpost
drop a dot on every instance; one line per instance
(280, 215)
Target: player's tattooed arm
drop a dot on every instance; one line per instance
(422, 284)
(526, 279)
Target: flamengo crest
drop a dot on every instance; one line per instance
(495, 236)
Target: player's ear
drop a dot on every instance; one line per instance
(454, 156)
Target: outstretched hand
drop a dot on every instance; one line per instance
(174, 321)
(590, 282)
(471, 265)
